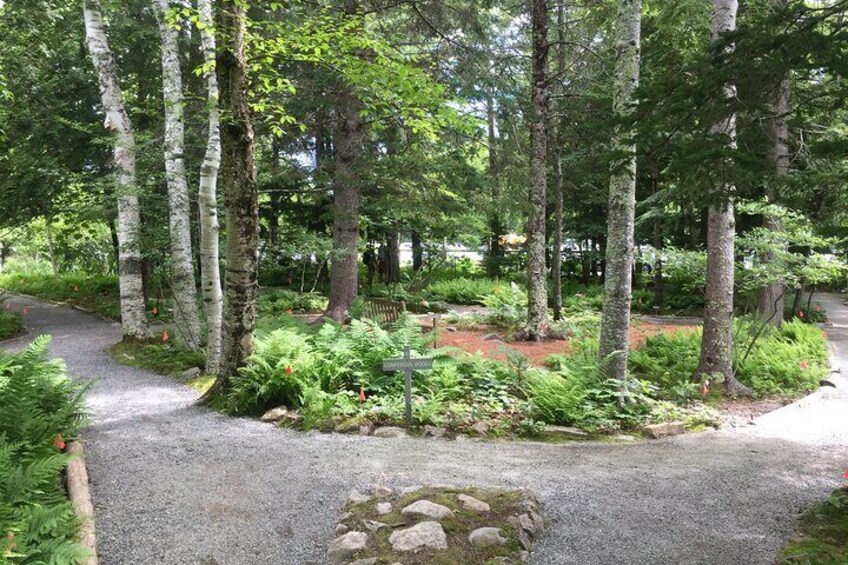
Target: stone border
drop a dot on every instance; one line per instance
(80, 496)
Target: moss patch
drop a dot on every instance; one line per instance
(162, 358)
(823, 534)
(504, 505)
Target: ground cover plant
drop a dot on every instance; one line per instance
(42, 409)
(823, 534)
(11, 323)
(96, 293)
(163, 357)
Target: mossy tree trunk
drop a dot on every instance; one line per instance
(618, 282)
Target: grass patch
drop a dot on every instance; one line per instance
(503, 506)
(95, 293)
(162, 358)
(823, 535)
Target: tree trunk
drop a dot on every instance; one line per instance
(558, 139)
(51, 244)
(717, 340)
(207, 199)
(393, 257)
(183, 286)
(537, 311)
(618, 270)
(417, 252)
(347, 187)
(495, 257)
(133, 315)
(771, 299)
(238, 176)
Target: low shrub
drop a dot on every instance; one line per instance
(42, 409)
(279, 301)
(97, 293)
(464, 291)
(10, 324)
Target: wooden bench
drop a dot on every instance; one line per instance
(384, 311)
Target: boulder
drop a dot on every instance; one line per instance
(487, 537)
(356, 497)
(566, 431)
(190, 373)
(434, 431)
(369, 561)
(389, 431)
(274, 414)
(341, 530)
(384, 508)
(381, 491)
(374, 525)
(344, 547)
(471, 503)
(657, 431)
(424, 535)
(480, 428)
(429, 509)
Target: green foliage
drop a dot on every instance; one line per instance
(279, 300)
(97, 293)
(785, 361)
(463, 290)
(10, 322)
(165, 358)
(40, 408)
(823, 536)
(507, 306)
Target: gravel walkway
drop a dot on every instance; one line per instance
(177, 484)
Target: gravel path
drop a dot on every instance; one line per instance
(177, 484)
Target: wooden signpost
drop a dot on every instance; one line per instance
(408, 364)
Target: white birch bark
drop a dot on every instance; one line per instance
(133, 315)
(210, 281)
(618, 284)
(186, 317)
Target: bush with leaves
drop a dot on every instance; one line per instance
(41, 409)
(280, 300)
(462, 290)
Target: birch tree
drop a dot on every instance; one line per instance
(133, 315)
(717, 341)
(186, 317)
(238, 177)
(618, 286)
(537, 311)
(210, 274)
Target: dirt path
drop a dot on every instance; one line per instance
(177, 484)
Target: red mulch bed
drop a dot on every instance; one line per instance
(472, 341)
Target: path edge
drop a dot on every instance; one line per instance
(80, 495)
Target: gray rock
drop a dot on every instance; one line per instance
(381, 491)
(356, 497)
(384, 508)
(532, 523)
(366, 429)
(429, 509)
(487, 537)
(274, 414)
(567, 431)
(423, 535)
(434, 431)
(409, 490)
(623, 437)
(492, 337)
(190, 373)
(369, 561)
(347, 426)
(374, 525)
(344, 547)
(341, 530)
(471, 503)
(389, 431)
(480, 428)
(656, 431)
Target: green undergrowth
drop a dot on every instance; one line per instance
(95, 293)
(784, 361)
(503, 505)
(41, 410)
(823, 534)
(165, 358)
(11, 324)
